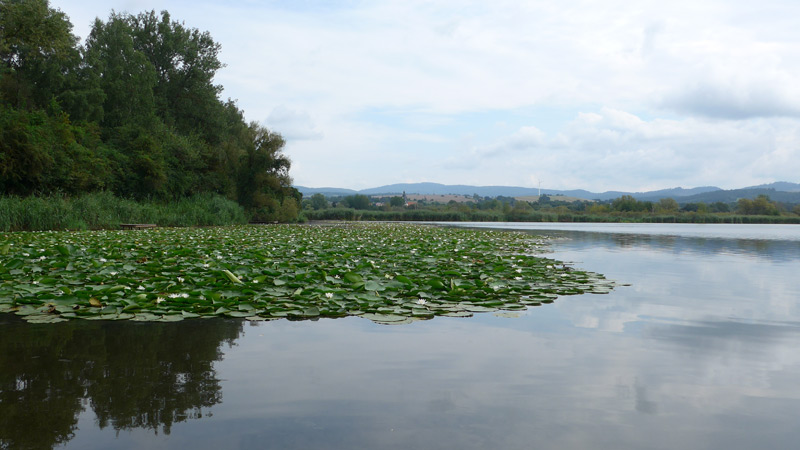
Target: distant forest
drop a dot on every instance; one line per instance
(133, 111)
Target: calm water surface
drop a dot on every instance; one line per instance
(698, 351)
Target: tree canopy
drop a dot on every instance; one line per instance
(134, 111)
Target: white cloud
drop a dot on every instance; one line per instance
(718, 100)
(621, 151)
(647, 76)
(292, 124)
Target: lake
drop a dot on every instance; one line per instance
(697, 349)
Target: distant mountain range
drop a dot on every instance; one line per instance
(781, 191)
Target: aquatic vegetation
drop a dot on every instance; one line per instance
(388, 273)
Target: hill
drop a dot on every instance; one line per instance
(781, 191)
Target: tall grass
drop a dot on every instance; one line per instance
(104, 210)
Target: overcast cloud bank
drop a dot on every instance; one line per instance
(616, 95)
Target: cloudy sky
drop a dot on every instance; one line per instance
(612, 95)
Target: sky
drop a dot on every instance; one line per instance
(597, 95)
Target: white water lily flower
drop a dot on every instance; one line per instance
(140, 288)
(517, 278)
(174, 295)
(103, 260)
(519, 270)
(329, 294)
(205, 266)
(422, 301)
(159, 300)
(180, 279)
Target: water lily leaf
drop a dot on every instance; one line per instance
(383, 318)
(145, 317)
(171, 318)
(373, 286)
(477, 308)
(14, 264)
(234, 279)
(353, 277)
(44, 318)
(457, 314)
(311, 312)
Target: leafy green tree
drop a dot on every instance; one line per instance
(264, 183)
(667, 206)
(720, 207)
(185, 61)
(397, 201)
(626, 203)
(125, 75)
(357, 201)
(761, 205)
(37, 49)
(134, 111)
(318, 201)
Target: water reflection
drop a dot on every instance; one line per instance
(131, 375)
(769, 249)
(699, 351)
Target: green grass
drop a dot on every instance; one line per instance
(102, 210)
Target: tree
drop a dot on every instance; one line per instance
(125, 75)
(720, 207)
(761, 205)
(357, 201)
(264, 184)
(37, 49)
(318, 201)
(185, 61)
(397, 201)
(667, 206)
(626, 203)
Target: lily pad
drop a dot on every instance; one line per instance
(387, 273)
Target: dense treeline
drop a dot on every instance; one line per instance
(549, 209)
(133, 111)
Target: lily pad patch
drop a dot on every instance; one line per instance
(387, 273)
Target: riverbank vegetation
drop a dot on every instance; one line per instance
(102, 210)
(133, 111)
(388, 273)
(549, 209)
